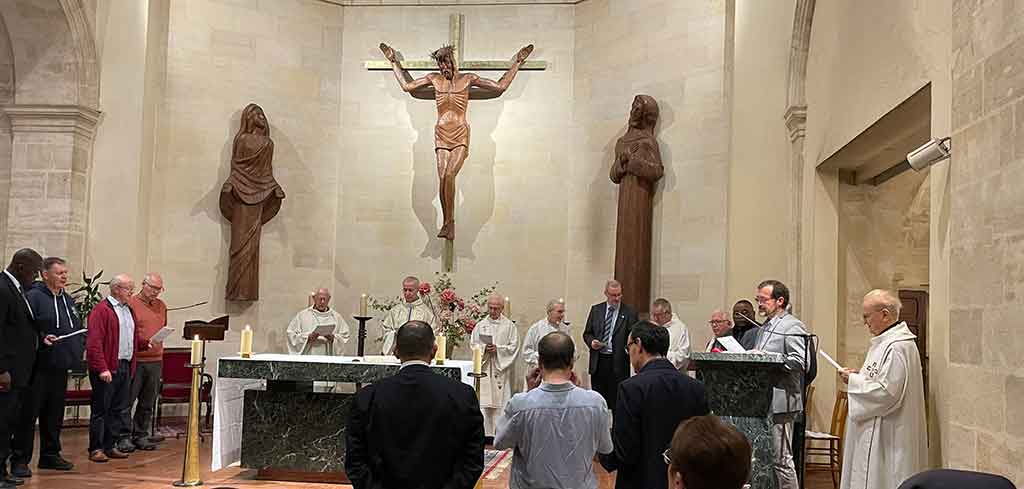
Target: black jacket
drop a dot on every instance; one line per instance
(650, 406)
(595, 331)
(18, 336)
(415, 430)
(56, 316)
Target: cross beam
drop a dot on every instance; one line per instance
(455, 34)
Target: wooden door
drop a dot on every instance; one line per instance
(915, 313)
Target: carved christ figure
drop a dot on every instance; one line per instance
(452, 90)
(249, 199)
(636, 169)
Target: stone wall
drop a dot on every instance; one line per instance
(982, 415)
(678, 56)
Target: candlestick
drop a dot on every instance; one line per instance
(362, 305)
(441, 346)
(197, 351)
(478, 359)
(508, 308)
(246, 342)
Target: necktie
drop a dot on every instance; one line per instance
(609, 321)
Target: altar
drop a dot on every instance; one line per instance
(262, 422)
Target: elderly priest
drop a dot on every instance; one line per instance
(886, 436)
(496, 335)
(555, 321)
(412, 308)
(303, 338)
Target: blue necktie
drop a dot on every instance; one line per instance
(609, 321)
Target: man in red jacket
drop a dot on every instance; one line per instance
(111, 346)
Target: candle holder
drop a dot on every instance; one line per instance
(245, 355)
(190, 466)
(476, 382)
(361, 335)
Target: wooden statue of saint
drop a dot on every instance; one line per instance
(452, 90)
(249, 199)
(637, 169)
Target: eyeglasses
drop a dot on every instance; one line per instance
(158, 289)
(718, 321)
(633, 341)
(664, 456)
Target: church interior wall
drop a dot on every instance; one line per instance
(760, 186)
(866, 58)
(985, 210)
(678, 57)
(6, 97)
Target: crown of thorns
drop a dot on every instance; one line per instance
(446, 51)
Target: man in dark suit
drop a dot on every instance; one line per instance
(605, 334)
(18, 343)
(417, 429)
(651, 405)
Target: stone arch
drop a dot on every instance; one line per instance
(54, 53)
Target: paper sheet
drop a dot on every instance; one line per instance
(486, 339)
(161, 335)
(830, 360)
(731, 344)
(76, 333)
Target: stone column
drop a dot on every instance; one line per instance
(51, 155)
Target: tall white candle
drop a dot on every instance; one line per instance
(197, 351)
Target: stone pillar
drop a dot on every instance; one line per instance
(51, 155)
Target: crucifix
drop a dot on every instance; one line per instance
(452, 89)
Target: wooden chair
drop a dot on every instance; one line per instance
(829, 445)
(77, 395)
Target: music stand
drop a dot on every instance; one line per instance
(212, 330)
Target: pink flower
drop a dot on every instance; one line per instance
(461, 303)
(448, 296)
(424, 288)
(470, 325)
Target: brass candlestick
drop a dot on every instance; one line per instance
(190, 467)
(476, 384)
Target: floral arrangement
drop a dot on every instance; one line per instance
(457, 316)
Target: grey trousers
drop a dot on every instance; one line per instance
(145, 389)
(782, 445)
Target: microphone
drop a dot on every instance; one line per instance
(744, 316)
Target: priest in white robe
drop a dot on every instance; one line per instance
(555, 321)
(412, 308)
(302, 336)
(678, 335)
(886, 432)
(496, 335)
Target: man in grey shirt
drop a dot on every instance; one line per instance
(555, 427)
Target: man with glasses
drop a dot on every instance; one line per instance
(111, 347)
(650, 406)
(605, 334)
(721, 326)
(783, 333)
(150, 317)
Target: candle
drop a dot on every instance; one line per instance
(246, 341)
(197, 351)
(441, 345)
(478, 359)
(508, 308)
(311, 300)
(561, 300)
(362, 305)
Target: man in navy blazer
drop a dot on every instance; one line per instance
(651, 405)
(605, 335)
(19, 340)
(417, 429)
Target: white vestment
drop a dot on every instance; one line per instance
(305, 322)
(678, 342)
(400, 314)
(533, 336)
(886, 432)
(495, 388)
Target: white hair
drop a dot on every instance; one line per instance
(886, 300)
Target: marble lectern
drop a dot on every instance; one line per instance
(287, 434)
(739, 390)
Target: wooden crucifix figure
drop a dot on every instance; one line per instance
(452, 91)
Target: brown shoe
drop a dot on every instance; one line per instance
(98, 456)
(115, 453)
